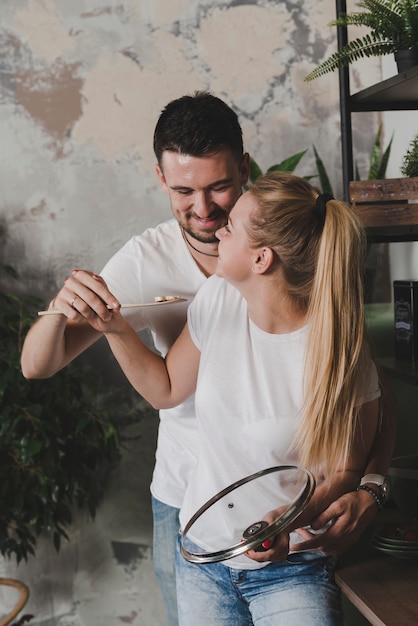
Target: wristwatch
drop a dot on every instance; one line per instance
(382, 483)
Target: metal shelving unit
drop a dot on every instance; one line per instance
(398, 93)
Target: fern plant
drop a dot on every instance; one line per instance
(394, 27)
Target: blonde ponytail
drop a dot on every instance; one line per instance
(336, 350)
(321, 256)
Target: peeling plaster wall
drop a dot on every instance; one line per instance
(82, 83)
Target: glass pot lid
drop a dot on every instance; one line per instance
(231, 522)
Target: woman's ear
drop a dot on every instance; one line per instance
(264, 260)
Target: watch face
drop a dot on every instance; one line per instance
(380, 485)
(385, 489)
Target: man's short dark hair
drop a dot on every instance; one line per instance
(198, 125)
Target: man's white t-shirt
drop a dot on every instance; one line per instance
(158, 263)
(248, 401)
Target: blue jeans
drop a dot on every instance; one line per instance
(166, 532)
(301, 592)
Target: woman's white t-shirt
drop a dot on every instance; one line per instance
(248, 399)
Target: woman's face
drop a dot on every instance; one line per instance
(235, 253)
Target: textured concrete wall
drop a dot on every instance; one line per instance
(82, 83)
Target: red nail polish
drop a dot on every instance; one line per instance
(74, 272)
(267, 544)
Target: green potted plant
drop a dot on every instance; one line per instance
(409, 166)
(394, 29)
(287, 165)
(377, 165)
(57, 446)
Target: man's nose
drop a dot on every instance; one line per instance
(203, 205)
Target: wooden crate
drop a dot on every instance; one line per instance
(387, 202)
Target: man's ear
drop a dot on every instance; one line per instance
(161, 178)
(264, 260)
(245, 169)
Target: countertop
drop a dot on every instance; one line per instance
(382, 587)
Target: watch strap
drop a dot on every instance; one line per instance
(378, 499)
(377, 479)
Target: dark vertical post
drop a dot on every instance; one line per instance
(345, 110)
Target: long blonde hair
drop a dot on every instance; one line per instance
(321, 254)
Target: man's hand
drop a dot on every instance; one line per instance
(349, 516)
(85, 297)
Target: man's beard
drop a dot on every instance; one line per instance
(205, 236)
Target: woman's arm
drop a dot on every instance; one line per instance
(353, 512)
(342, 481)
(164, 383)
(347, 478)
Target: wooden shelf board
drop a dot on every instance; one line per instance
(387, 208)
(399, 92)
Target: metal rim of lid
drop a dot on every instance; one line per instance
(280, 524)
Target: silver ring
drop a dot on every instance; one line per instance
(73, 300)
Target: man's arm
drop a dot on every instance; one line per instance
(352, 513)
(55, 340)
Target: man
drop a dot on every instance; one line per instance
(203, 168)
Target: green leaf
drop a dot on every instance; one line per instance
(384, 161)
(324, 181)
(289, 164)
(368, 46)
(375, 156)
(255, 170)
(8, 269)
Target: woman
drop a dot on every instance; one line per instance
(277, 356)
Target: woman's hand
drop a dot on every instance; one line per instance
(350, 515)
(274, 549)
(278, 550)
